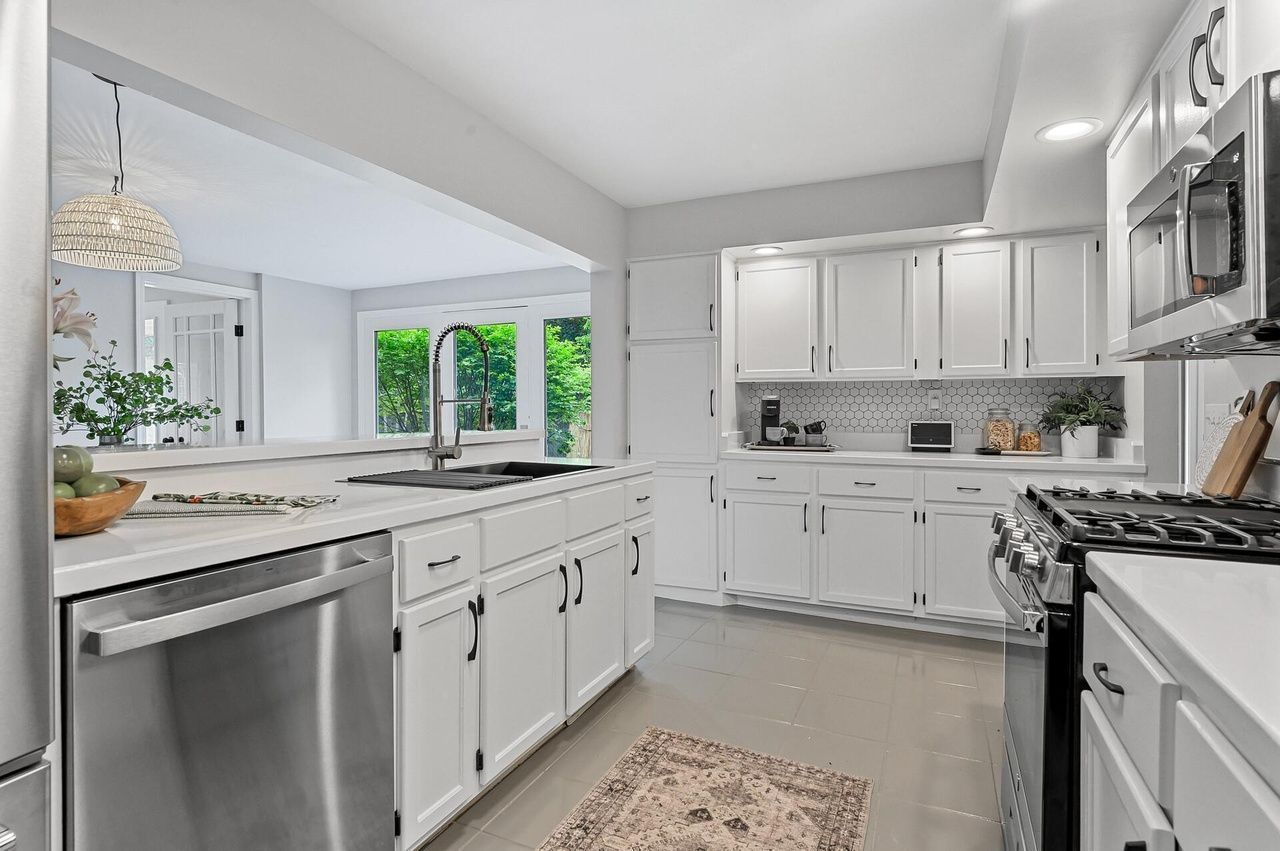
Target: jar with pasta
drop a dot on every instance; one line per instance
(998, 430)
(1029, 437)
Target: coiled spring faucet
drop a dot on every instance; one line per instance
(437, 452)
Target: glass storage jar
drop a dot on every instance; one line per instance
(1029, 437)
(997, 429)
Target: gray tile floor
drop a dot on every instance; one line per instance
(915, 712)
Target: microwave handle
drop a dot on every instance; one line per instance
(1182, 227)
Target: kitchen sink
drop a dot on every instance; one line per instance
(476, 476)
(526, 469)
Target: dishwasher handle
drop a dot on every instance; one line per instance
(110, 640)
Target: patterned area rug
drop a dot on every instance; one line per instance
(680, 793)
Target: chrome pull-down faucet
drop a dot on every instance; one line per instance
(437, 452)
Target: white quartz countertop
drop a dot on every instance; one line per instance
(140, 549)
(1216, 627)
(947, 460)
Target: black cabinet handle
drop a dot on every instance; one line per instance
(442, 563)
(806, 517)
(824, 520)
(964, 489)
(635, 539)
(711, 322)
(1137, 845)
(829, 353)
(1197, 44)
(1028, 339)
(766, 478)
(1100, 671)
(1005, 359)
(713, 402)
(475, 620)
(643, 498)
(711, 488)
(865, 484)
(813, 354)
(1216, 75)
(577, 601)
(564, 574)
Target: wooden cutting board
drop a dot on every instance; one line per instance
(1213, 442)
(1242, 449)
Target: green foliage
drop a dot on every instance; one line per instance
(404, 378)
(469, 371)
(568, 358)
(112, 403)
(1083, 407)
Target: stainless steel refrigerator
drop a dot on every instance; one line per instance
(26, 653)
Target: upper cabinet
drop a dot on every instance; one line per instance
(673, 298)
(976, 308)
(1058, 294)
(1185, 86)
(1132, 157)
(777, 320)
(868, 304)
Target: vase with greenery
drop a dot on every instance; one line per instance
(1079, 415)
(110, 404)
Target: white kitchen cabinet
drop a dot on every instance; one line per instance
(928, 313)
(685, 555)
(777, 320)
(956, 539)
(1183, 72)
(768, 543)
(639, 578)
(671, 409)
(522, 660)
(672, 298)
(1058, 294)
(868, 304)
(976, 309)
(596, 619)
(439, 712)
(1116, 807)
(1132, 157)
(866, 553)
(1250, 28)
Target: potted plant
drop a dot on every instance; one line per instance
(110, 404)
(1079, 415)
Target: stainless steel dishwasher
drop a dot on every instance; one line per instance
(247, 706)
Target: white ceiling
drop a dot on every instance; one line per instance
(668, 100)
(240, 203)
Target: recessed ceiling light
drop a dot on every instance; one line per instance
(1065, 131)
(981, 230)
(765, 250)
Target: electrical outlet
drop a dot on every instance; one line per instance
(935, 400)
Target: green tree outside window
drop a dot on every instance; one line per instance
(568, 360)
(403, 358)
(469, 374)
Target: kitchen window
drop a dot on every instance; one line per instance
(402, 359)
(567, 374)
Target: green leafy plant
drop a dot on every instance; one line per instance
(111, 403)
(568, 360)
(1084, 406)
(404, 381)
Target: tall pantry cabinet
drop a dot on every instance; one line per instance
(673, 409)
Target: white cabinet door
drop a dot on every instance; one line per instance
(928, 313)
(1131, 161)
(866, 553)
(956, 538)
(672, 402)
(1251, 27)
(1059, 297)
(685, 510)
(640, 560)
(1185, 89)
(439, 712)
(777, 320)
(522, 660)
(596, 619)
(975, 309)
(673, 297)
(868, 302)
(767, 536)
(1116, 807)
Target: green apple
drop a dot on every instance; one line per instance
(71, 463)
(95, 483)
(62, 490)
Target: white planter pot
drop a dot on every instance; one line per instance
(1083, 444)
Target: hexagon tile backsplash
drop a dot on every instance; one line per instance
(887, 406)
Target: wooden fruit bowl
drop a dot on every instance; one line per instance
(84, 515)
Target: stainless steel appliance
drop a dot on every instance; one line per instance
(26, 600)
(246, 707)
(1204, 243)
(931, 435)
(1037, 573)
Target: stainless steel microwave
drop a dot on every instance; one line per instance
(1204, 237)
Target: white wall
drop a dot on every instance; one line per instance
(512, 285)
(109, 296)
(308, 361)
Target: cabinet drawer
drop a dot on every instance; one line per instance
(963, 486)
(638, 497)
(1143, 714)
(767, 477)
(517, 532)
(593, 510)
(1219, 801)
(438, 558)
(860, 481)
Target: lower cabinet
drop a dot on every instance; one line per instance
(639, 578)
(956, 539)
(685, 508)
(767, 542)
(596, 618)
(439, 714)
(866, 553)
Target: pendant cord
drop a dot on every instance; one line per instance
(119, 137)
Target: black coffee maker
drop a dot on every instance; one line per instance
(770, 417)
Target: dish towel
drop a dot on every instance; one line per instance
(145, 510)
(238, 498)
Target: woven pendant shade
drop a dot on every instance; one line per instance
(114, 232)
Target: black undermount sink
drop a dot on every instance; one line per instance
(476, 476)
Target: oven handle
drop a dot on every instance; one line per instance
(1027, 619)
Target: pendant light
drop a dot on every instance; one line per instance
(115, 231)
